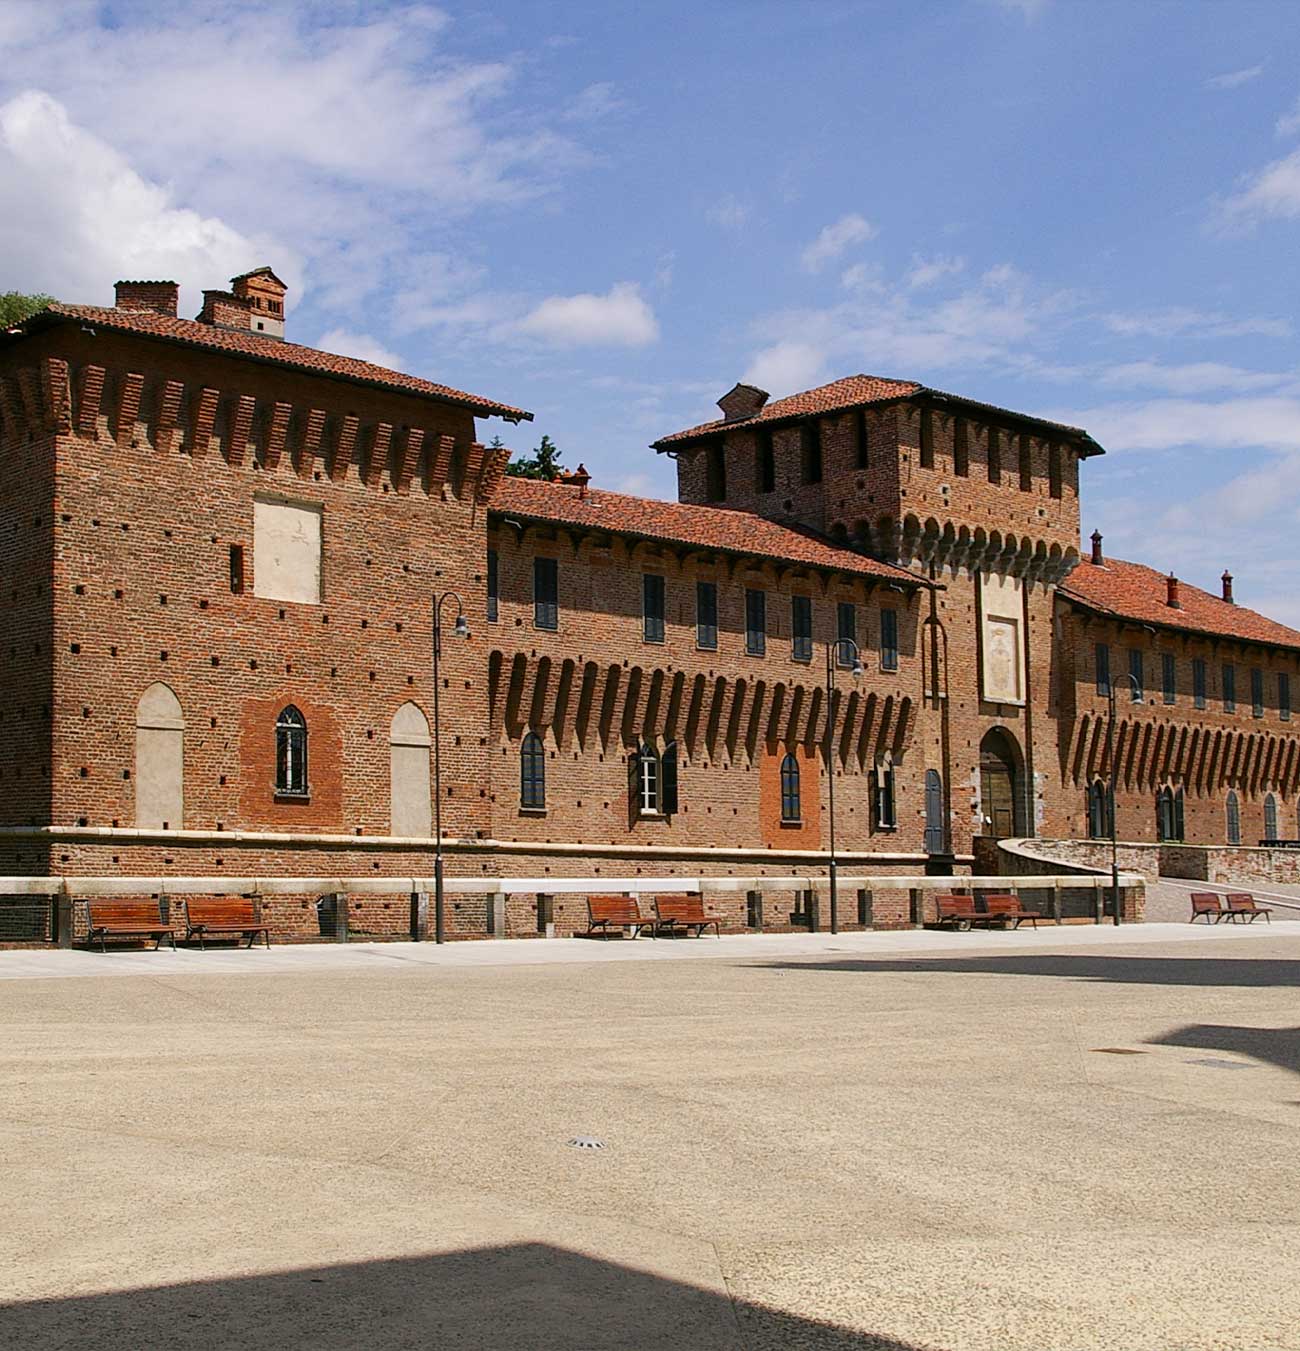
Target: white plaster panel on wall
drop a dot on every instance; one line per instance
(1002, 640)
(412, 801)
(159, 760)
(287, 551)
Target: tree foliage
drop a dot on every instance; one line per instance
(543, 463)
(15, 307)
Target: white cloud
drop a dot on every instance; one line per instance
(786, 367)
(728, 212)
(1273, 192)
(619, 318)
(1268, 423)
(1195, 377)
(1027, 9)
(75, 216)
(928, 271)
(1234, 79)
(594, 102)
(1289, 123)
(834, 239)
(344, 343)
(1180, 320)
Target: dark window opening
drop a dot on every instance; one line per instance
(1026, 464)
(1256, 692)
(291, 753)
(706, 614)
(1098, 811)
(927, 438)
(492, 593)
(1284, 697)
(790, 800)
(889, 640)
(766, 475)
(1137, 684)
(532, 773)
(861, 440)
(812, 451)
(237, 569)
(960, 448)
(995, 456)
(546, 593)
(1270, 817)
(1234, 818)
(715, 474)
(652, 607)
(1054, 469)
(886, 816)
(1169, 676)
(1169, 815)
(1229, 689)
(756, 623)
(846, 633)
(1198, 682)
(1101, 656)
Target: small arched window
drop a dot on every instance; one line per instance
(1270, 817)
(791, 806)
(1098, 816)
(647, 778)
(1234, 818)
(532, 772)
(291, 753)
(1164, 815)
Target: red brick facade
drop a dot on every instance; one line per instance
(136, 450)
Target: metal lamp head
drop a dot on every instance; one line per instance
(462, 626)
(857, 665)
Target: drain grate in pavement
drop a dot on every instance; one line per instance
(1116, 1050)
(1216, 1063)
(586, 1142)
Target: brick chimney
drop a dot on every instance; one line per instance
(158, 297)
(1227, 587)
(1171, 593)
(254, 304)
(742, 401)
(1097, 559)
(579, 478)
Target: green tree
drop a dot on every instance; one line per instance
(543, 463)
(15, 307)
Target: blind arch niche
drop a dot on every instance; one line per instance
(159, 760)
(412, 801)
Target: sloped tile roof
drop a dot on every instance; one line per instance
(855, 391)
(146, 323)
(720, 528)
(1134, 592)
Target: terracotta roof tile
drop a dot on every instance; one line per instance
(250, 344)
(1138, 593)
(735, 532)
(854, 391)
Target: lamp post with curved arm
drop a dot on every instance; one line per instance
(1110, 789)
(461, 630)
(833, 649)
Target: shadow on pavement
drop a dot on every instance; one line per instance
(1261, 973)
(516, 1298)
(1277, 1045)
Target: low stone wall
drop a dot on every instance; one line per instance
(1094, 855)
(1032, 858)
(1229, 863)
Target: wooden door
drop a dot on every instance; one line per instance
(997, 801)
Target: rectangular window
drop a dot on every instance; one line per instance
(1102, 661)
(1284, 697)
(652, 606)
(1169, 676)
(927, 439)
(715, 473)
(1198, 682)
(546, 593)
(846, 633)
(861, 442)
(237, 569)
(1136, 684)
(886, 814)
(995, 455)
(706, 615)
(960, 448)
(812, 451)
(1054, 469)
(889, 640)
(1026, 464)
(755, 623)
(766, 456)
(801, 627)
(492, 593)
(1229, 688)
(1256, 692)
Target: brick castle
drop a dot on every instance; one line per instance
(221, 550)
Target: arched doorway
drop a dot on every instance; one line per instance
(1000, 812)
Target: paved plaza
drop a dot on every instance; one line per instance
(1075, 1138)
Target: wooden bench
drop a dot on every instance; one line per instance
(1007, 908)
(1207, 903)
(1243, 906)
(127, 919)
(684, 912)
(615, 912)
(213, 915)
(958, 912)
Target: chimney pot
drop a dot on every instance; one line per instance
(1171, 587)
(157, 297)
(1097, 559)
(579, 477)
(742, 401)
(1227, 587)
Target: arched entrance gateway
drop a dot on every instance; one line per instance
(1001, 813)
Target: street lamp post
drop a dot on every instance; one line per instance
(461, 630)
(1110, 788)
(834, 649)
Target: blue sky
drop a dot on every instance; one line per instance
(610, 212)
